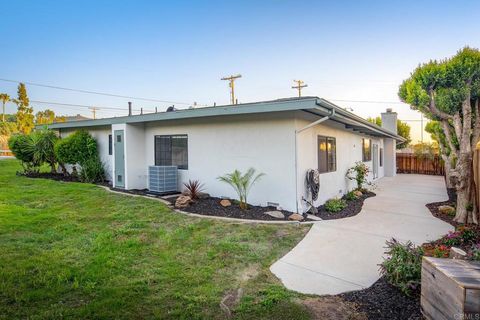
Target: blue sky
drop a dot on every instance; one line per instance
(179, 50)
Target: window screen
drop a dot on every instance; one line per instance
(110, 151)
(171, 150)
(327, 154)
(366, 150)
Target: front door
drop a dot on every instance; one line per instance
(375, 161)
(119, 159)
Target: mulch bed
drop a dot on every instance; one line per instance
(58, 177)
(52, 176)
(384, 301)
(211, 207)
(352, 209)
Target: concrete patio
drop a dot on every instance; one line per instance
(343, 255)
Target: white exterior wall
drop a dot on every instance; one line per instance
(101, 135)
(217, 146)
(349, 150)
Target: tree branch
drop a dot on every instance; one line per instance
(448, 137)
(433, 107)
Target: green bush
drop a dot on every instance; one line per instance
(350, 196)
(34, 149)
(80, 148)
(23, 149)
(242, 183)
(402, 268)
(77, 148)
(92, 171)
(335, 205)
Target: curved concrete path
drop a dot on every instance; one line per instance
(343, 255)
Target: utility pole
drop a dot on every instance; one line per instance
(231, 84)
(299, 86)
(94, 111)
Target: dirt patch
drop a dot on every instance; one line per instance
(384, 301)
(333, 307)
(211, 207)
(352, 209)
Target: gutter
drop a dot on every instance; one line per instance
(332, 114)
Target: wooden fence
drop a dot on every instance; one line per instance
(418, 164)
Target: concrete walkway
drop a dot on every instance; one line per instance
(343, 255)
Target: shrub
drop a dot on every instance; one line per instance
(194, 188)
(350, 196)
(335, 205)
(476, 252)
(43, 147)
(81, 148)
(402, 267)
(23, 149)
(92, 170)
(242, 183)
(77, 148)
(359, 173)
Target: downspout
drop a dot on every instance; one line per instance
(332, 113)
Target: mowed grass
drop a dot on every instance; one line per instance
(76, 251)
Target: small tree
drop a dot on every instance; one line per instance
(242, 183)
(359, 173)
(44, 147)
(24, 111)
(448, 91)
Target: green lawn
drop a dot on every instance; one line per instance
(72, 250)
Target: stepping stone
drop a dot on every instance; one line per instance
(275, 214)
(312, 217)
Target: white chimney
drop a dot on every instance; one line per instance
(389, 120)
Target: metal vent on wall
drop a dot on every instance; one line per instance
(162, 179)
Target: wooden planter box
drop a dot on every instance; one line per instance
(450, 289)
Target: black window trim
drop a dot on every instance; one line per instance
(168, 135)
(326, 153)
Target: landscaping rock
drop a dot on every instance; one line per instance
(275, 214)
(358, 193)
(457, 253)
(446, 210)
(182, 202)
(295, 217)
(225, 203)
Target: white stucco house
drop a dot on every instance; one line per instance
(281, 138)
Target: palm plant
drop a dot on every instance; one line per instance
(44, 142)
(4, 98)
(194, 188)
(241, 183)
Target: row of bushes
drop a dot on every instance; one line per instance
(45, 147)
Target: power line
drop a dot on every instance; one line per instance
(93, 92)
(82, 106)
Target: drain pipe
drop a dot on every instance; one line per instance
(332, 113)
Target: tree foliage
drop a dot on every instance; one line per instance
(47, 117)
(403, 130)
(448, 91)
(24, 114)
